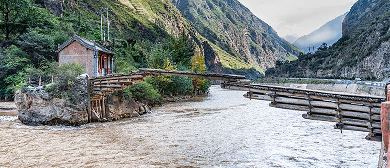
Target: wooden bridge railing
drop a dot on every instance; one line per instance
(349, 111)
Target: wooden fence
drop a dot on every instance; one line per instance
(349, 111)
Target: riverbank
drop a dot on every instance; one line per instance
(8, 109)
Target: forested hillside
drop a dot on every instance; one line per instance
(143, 33)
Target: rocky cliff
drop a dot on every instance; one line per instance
(246, 40)
(363, 51)
(357, 12)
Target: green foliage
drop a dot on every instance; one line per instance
(181, 50)
(198, 65)
(13, 67)
(14, 13)
(144, 92)
(41, 47)
(67, 85)
(125, 93)
(15, 59)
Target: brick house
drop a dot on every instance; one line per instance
(97, 60)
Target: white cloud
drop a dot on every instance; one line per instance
(297, 17)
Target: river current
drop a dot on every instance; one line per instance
(223, 129)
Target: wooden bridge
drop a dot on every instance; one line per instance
(349, 111)
(99, 87)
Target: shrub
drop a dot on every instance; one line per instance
(145, 93)
(125, 93)
(67, 85)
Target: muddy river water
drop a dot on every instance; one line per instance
(223, 129)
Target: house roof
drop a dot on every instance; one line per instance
(86, 43)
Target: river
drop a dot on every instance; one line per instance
(223, 129)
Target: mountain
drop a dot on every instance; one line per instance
(290, 38)
(363, 51)
(329, 33)
(244, 40)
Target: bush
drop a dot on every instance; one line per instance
(67, 85)
(125, 93)
(145, 93)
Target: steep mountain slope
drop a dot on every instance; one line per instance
(240, 34)
(329, 33)
(363, 51)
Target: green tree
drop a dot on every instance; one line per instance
(181, 50)
(41, 47)
(198, 65)
(13, 11)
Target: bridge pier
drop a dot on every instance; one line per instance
(385, 126)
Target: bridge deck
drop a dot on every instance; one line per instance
(350, 111)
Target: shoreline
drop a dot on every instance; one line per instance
(8, 108)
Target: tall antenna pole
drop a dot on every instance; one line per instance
(108, 27)
(101, 25)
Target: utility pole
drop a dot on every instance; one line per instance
(108, 26)
(101, 25)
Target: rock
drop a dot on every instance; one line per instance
(54, 6)
(118, 107)
(36, 107)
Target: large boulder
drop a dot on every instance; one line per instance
(54, 104)
(37, 107)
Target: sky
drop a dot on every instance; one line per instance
(297, 17)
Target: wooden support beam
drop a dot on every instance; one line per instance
(290, 106)
(363, 129)
(103, 109)
(320, 117)
(109, 86)
(259, 97)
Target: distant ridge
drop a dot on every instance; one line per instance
(329, 33)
